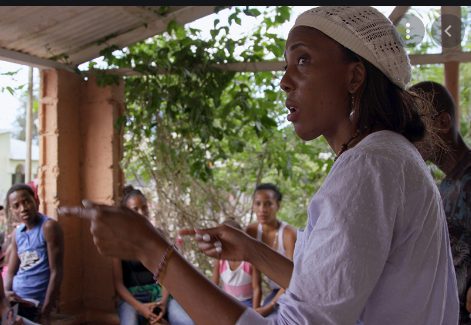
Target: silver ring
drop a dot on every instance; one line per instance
(218, 249)
(217, 244)
(206, 237)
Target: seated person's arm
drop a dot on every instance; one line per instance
(55, 249)
(122, 291)
(289, 243)
(144, 309)
(164, 300)
(3, 301)
(256, 287)
(215, 275)
(13, 265)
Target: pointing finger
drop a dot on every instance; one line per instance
(76, 211)
(89, 211)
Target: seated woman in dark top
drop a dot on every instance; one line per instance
(141, 298)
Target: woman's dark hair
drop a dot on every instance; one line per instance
(385, 105)
(438, 95)
(271, 187)
(128, 192)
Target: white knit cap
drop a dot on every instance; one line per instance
(366, 32)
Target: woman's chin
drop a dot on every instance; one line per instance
(305, 135)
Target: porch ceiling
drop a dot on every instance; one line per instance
(66, 36)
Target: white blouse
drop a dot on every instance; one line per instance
(375, 249)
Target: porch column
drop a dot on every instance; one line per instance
(80, 152)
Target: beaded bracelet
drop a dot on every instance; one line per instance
(163, 262)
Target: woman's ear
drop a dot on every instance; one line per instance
(356, 77)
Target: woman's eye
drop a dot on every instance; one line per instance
(302, 61)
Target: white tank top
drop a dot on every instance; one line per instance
(280, 247)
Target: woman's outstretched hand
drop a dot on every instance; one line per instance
(223, 241)
(117, 232)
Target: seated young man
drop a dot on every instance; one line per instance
(36, 258)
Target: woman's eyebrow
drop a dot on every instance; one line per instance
(293, 47)
(296, 45)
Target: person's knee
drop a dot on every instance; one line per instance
(127, 314)
(177, 315)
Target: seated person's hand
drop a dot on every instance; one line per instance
(265, 310)
(162, 321)
(18, 321)
(162, 305)
(12, 296)
(147, 310)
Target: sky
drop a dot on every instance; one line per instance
(9, 104)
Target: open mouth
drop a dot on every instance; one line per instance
(292, 113)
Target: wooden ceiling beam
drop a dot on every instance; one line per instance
(26, 59)
(416, 59)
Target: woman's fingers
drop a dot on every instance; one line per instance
(212, 252)
(106, 227)
(76, 211)
(187, 232)
(89, 210)
(198, 233)
(207, 240)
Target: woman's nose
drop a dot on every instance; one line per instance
(286, 83)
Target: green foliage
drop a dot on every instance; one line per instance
(10, 89)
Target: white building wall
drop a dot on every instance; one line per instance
(5, 177)
(8, 165)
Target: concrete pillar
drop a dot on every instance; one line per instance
(80, 152)
(101, 181)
